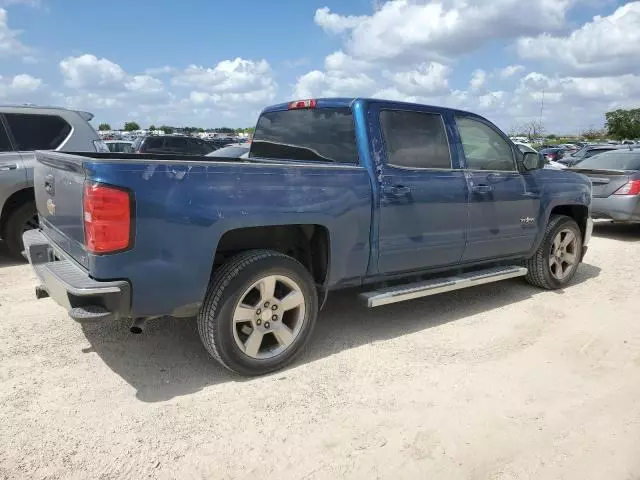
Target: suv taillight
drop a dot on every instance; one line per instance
(107, 218)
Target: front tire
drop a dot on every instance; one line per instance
(259, 312)
(556, 261)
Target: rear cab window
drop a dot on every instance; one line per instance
(310, 134)
(37, 132)
(5, 143)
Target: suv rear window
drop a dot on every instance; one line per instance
(37, 132)
(323, 134)
(5, 144)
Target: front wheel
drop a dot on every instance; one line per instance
(19, 221)
(259, 312)
(556, 261)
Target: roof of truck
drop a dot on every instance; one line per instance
(338, 102)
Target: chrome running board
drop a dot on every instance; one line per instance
(400, 293)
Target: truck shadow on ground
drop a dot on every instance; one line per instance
(7, 260)
(625, 232)
(168, 360)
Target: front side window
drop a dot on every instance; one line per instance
(484, 148)
(37, 132)
(415, 139)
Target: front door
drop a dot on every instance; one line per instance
(503, 211)
(423, 193)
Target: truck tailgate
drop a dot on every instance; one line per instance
(59, 182)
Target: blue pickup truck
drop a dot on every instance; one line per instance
(407, 200)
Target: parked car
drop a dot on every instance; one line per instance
(615, 176)
(550, 164)
(120, 146)
(335, 193)
(587, 152)
(171, 145)
(24, 129)
(220, 142)
(552, 154)
(232, 151)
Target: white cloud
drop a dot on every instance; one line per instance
(333, 84)
(425, 79)
(478, 81)
(87, 71)
(417, 29)
(511, 70)
(144, 84)
(25, 83)
(19, 88)
(10, 43)
(604, 46)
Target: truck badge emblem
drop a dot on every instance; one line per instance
(527, 220)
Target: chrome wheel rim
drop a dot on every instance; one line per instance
(269, 317)
(564, 254)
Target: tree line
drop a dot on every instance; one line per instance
(134, 126)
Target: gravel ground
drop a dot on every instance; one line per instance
(500, 381)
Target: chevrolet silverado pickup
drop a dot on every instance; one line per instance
(402, 200)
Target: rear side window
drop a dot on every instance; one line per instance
(175, 144)
(596, 151)
(37, 132)
(5, 144)
(153, 143)
(415, 139)
(483, 147)
(323, 134)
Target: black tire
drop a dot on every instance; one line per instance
(215, 319)
(19, 220)
(539, 270)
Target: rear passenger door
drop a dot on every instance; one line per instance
(423, 193)
(13, 176)
(503, 208)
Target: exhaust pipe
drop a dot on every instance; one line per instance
(137, 326)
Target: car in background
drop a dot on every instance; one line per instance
(217, 143)
(119, 146)
(234, 150)
(552, 154)
(615, 179)
(172, 145)
(24, 129)
(549, 164)
(587, 152)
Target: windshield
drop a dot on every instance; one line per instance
(614, 160)
(323, 134)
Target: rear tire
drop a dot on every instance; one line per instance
(259, 311)
(556, 261)
(19, 221)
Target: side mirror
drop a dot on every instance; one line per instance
(532, 161)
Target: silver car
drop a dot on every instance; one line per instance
(24, 129)
(615, 177)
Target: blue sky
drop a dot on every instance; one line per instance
(213, 63)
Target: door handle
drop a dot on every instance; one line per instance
(396, 190)
(9, 166)
(482, 188)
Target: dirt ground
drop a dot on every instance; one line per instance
(500, 381)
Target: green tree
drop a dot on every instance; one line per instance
(552, 136)
(593, 134)
(167, 129)
(152, 127)
(131, 127)
(103, 127)
(622, 124)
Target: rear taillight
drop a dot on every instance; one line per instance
(107, 218)
(629, 188)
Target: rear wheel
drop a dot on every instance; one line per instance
(259, 312)
(556, 261)
(19, 221)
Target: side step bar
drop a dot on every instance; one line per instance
(400, 293)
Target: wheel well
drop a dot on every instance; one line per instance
(16, 200)
(579, 213)
(309, 244)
